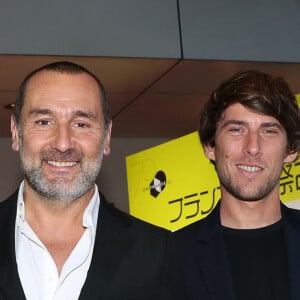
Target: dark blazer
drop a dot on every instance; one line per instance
(205, 268)
(131, 259)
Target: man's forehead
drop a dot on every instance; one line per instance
(240, 111)
(47, 90)
(240, 114)
(58, 82)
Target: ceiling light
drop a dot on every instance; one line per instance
(10, 106)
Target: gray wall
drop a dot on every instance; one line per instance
(189, 29)
(119, 28)
(254, 30)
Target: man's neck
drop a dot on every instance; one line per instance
(58, 228)
(249, 214)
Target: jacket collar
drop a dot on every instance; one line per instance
(216, 272)
(10, 284)
(209, 252)
(110, 229)
(110, 235)
(291, 221)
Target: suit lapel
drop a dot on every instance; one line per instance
(10, 284)
(203, 260)
(212, 259)
(111, 247)
(291, 220)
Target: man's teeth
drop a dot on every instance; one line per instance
(249, 168)
(62, 163)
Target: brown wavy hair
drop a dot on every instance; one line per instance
(260, 92)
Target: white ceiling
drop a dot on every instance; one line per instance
(148, 97)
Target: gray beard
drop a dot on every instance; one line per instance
(61, 191)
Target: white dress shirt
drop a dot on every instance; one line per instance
(37, 269)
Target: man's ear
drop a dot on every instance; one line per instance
(209, 151)
(291, 157)
(14, 133)
(106, 149)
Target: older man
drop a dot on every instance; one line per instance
(59, 238)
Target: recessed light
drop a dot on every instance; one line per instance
(10, 106)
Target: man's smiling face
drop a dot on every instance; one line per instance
(61, 136)
(249, 152)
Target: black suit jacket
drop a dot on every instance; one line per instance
(131, 259)
(205, 267)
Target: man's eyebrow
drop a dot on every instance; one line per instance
(40, 111)
(75, 113)
(272, 124)
(233, 122)
(85, 114)
(263, 125)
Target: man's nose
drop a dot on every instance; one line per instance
(253, 144)
(63, 139)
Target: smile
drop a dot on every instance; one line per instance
(249, 168)
(61, 163)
